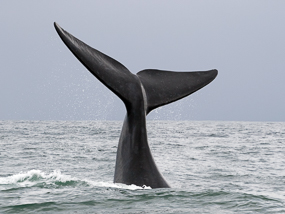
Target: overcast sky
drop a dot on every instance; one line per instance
(40, 79)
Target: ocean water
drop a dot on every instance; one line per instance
(212, 167)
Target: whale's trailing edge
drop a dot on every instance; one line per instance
(141, 94)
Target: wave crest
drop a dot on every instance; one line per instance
(56, 179)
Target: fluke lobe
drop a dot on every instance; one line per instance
(141, 93)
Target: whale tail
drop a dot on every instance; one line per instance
(161, 87)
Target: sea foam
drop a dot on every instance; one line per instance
(56, 178)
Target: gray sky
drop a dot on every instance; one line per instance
(40, 79)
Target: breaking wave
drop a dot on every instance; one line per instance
(55, 179)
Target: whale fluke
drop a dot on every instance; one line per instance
(163, 87)
(141, 93)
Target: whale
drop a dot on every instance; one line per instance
(141, 93)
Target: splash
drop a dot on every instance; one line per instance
(116, 185)
(56, 179)
(32, 177)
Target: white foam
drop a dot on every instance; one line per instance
(22, 176)
(29, 178)
(115, 185)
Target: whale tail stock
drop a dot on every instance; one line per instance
(161, 87)
(141, 93)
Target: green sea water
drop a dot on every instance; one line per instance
(212, 167)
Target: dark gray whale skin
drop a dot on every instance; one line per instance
(141, 93)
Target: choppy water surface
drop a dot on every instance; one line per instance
(212, 167)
